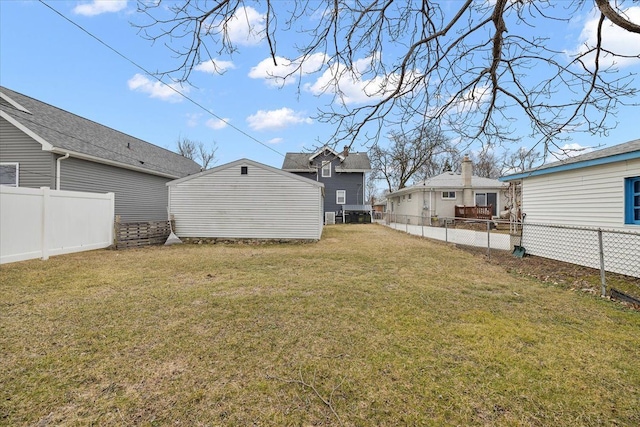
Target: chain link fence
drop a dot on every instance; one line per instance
(613, 251)
(607, 250)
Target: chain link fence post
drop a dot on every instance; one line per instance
(602, 274)
(446, 231)
(489, 239)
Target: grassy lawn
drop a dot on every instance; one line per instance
(367, 327)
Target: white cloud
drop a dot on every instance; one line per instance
(218, 124)
(214, 66)
(352, 85)
(276, 119)
(274, 75)
(246, 27)
(156, 89)
(275, 141)
(192, 119)
(614, 39)
(97, 7)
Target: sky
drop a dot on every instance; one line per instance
(242, 112)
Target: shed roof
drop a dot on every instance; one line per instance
(626, 151)
(60, 131)
(242, 162)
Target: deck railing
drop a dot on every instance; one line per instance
(479, 212)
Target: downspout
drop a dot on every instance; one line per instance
(66, 156)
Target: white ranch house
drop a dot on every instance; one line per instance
(438, 196)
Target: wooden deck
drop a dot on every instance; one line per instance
(476, 212)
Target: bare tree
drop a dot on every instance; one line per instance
(407, 156)
(187, 148)
(207, 156)
(521, 159)
(472, 67)
(197, 152)
(487, 163)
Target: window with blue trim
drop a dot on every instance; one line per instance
(632, 200)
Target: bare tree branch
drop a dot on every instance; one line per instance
(474, 69)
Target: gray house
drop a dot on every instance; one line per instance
(343, 176)
(44, 146)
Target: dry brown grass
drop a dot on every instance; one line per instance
(367, 327)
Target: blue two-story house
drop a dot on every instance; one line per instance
(342, 173)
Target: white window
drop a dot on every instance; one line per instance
(9, 174)
(449, 195)
(341, 197)
(326, 169)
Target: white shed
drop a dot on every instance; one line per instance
(595, 189)
(247, 200)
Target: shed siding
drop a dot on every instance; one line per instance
(36, 167)
(138, 196)
(587, 197)
(262, 204)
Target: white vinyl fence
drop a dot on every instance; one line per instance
(39, 222)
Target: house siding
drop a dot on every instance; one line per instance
(426, 203)
(587, 197)
(352, 182)
(262, 204)
(36, 167)
(138, 196)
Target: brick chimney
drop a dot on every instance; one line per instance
(467, 171)
(345, 151)
(467, 191)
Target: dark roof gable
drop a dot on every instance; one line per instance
(351, 162)
(84, 138)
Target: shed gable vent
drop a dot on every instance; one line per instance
(244, 170)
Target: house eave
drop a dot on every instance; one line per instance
(46, 146)
(342, 170)
(572, 166)
(300, 170)
(94, 159)
(322, 150)
(425, 188)
(15, 104)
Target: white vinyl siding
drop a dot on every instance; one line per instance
(139, 196)
(263, 204)
(587, 197)
(37, 167)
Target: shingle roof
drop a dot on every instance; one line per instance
(451, 181)
(68, 132)
(299, 162)
(618, 152)
(627, 147)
